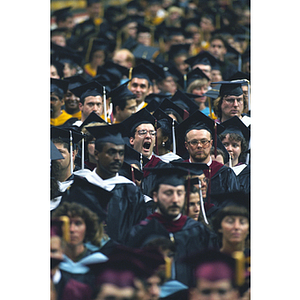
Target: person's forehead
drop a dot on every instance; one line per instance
(109, 289)
(194, 197)
(139, 80)
(164, 186)
(198, 133)
(217, 42)
(113, 146)
(146, 126)
(222, 283)
(89, 99)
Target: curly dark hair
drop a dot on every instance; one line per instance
(94, 230)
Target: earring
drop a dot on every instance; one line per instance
(163, 144)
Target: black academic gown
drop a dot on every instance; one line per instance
(125, 205)
(244, 179)
(193, 237)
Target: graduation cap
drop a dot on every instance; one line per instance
(198, 121)
(240, 76)
(92, 118)
(233, 88)
(235, 125)
(213, 92)
(121, 94)
(75, 81)
(107, 134)
(66, 54)
(142, 28)
(145, 52)
(116, 69)
(142, 71)
(91, 88)
(203, 58)
(157, 97)
(191, 76)
(54, 153)
(62, 14)
(106, 78)
(169, 174)
(152, 66)
(174, 31)
(130, 172)
(136, 119)
(169, 107)
(64, 134)
(96, 44)
(58, 87)
(184, 102)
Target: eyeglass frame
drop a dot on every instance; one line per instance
(203, 144)
(151, 132)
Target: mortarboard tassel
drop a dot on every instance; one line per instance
(82, 154)
(111, 116)
(202, 203)
(216, 141)
(184, 82)
(240, 62)
(230, 161)
(89, 48)
(104, 103)
(141, 161)
(173, 136)
(239, 267)
(132, 174)
(248, 95)
(188, 194)
(209, 105)
(65, 227)
(168, 267)
(156, 144)
(129, 77)
(71, 151)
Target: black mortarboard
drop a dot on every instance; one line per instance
(167, 106)
(143, 28)
(169, 174)
(142, 71)
(178, 49)
(146, 52)
(196, 168)
(105, 78)
(235, 125)
(54, 153)
(58, 87)
(191, 76)
(204, 58)
(121, 94)
(62, 14)
(184, 102)
(230, 87)
(107, 134)
(91, 88)
(213, 92)
(240, 76)
(96, 44)
(134, 157)
(152, 66)
(66, 54)
(198, 121)
(64, 134)
(173, 31)
(115, 69)
(156, 97)
(75, 81)
(92, 118)
(136, 119)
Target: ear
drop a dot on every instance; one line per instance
(186, 145)
(131, 141)
(75, 151)
(154, 196)
(165, 138)
(62, 101)
(80, 106)
(117, 109)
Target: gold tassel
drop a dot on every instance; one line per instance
(88, 51)
(129, 77)
(65, 227)
(168, 264)
(240, 267)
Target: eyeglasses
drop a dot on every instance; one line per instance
(143, 132)
(231, 100)
(195, 143)
(204, 180)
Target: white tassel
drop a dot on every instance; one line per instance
(202, 203)
(104, 103)
(82, 154)
(71, 151)
(173, 136)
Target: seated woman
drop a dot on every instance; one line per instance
(235, 139)
(84, 229)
